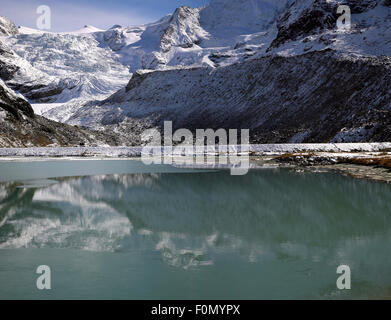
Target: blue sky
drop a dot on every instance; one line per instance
(74, 14)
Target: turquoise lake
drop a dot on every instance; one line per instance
(117, 229)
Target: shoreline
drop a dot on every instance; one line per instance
(370, 161)
(252, 149)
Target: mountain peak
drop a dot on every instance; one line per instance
(87, 29)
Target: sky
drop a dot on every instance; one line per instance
(74, 14)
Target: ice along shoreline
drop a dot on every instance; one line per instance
(254, 149)
(360, 160)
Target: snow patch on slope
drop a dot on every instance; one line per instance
(81, 68)
(7, 27)
(85, 30)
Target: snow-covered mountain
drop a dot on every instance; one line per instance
(280, 68)
(190, 36)
(91, 63)
(7, 27)
(73, 64)
(94, 63)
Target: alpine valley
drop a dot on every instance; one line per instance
(280, 68)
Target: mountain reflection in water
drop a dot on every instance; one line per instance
(192, 220)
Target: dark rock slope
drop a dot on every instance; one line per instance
(19, 127)
(308, 17)
(315, 97)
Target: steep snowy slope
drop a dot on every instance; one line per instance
(20, 75)
(16, 71)
(152, 46)
(7, 27)
(189, 37)
(19, 127)
(310, 25)
(87, 29)
(82, 69)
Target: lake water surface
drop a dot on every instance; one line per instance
(116, 229)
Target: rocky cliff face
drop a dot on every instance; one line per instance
(19, 127)
(309, 17)
(305, 17)
(7, 27)
(183, 29)
(360, 6)
(14, 103)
